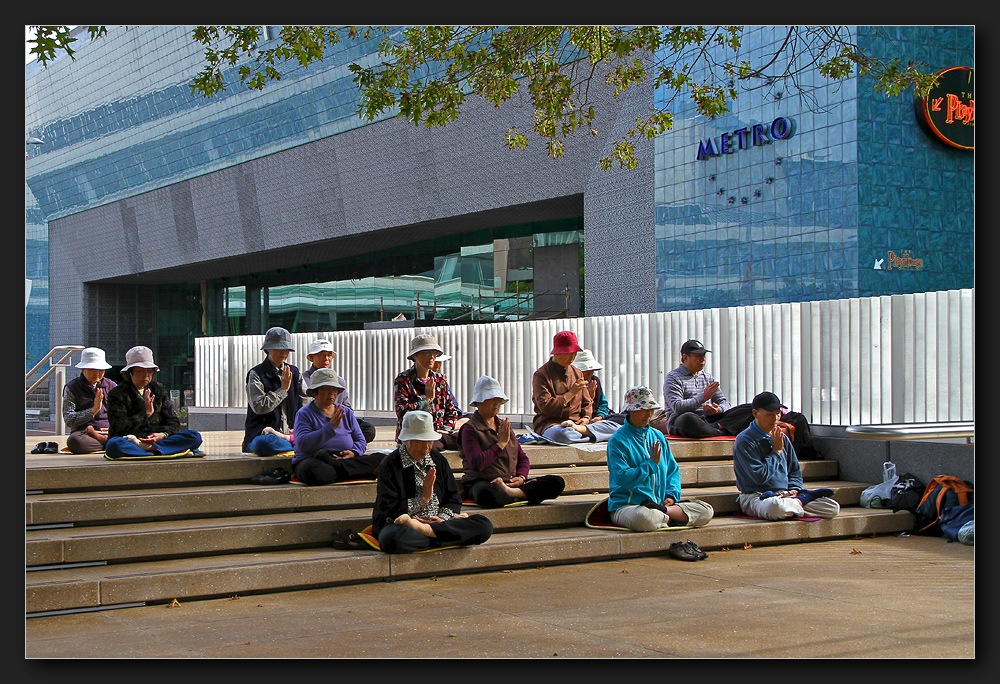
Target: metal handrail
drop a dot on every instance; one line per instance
(901, 431)
(57, 367)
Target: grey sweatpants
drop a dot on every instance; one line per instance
(642, 519)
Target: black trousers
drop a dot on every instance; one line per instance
(367, 429)
(454, 532)
(536, 490)
(322, 468)
(731, 422)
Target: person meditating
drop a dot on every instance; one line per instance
(417, 503)
(495, 467)
(562, 403)
(85, 410)
(644, 479)
(141, 418)
(329, 444)
(767, 471)
(421, 388)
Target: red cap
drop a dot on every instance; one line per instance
(565, 343)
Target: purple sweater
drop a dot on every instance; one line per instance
(314, 432)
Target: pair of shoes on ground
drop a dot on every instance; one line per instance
(46, 448)
(687, 550)
(272, 477)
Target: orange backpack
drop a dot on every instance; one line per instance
(942, 492)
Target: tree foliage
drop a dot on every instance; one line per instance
(425, 73)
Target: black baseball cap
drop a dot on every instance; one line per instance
(767, 401)
(693, 347)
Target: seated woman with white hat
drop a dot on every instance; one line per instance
(329, 444)
(420, 388)
(85, 409)
(417, 503)
(600, 409)
(494, 463)
(141, 418)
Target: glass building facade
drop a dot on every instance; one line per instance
(845, 179)
(808, 213)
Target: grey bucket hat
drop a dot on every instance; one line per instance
(323, 377)
(278, 338)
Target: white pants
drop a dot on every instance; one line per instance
(781, 508)
(642, 519)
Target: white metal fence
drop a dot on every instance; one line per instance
(894, 359)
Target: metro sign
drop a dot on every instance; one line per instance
(949, 110)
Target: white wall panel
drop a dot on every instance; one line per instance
(898, 359)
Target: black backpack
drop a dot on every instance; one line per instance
(802, 442)
(906, 493)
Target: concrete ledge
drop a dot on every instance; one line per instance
(862, 459)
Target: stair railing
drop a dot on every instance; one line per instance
(59, 369)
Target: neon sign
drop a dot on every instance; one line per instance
(743, 138)
(949, 110)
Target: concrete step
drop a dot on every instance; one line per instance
(188, 578)
(63, 473)
(269, 531)
(208, 500)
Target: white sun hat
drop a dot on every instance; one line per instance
(139, 357)
(486, 388)
(418, 425)
(639, 398)
(93, 357)
(585, 361)
(317, 346)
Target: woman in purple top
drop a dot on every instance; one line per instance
(329, 445)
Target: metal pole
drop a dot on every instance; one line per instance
(60, 383)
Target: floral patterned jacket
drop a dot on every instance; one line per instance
(410, 395)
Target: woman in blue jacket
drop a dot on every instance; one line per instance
(644, 478)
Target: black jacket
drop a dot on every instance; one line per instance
(396, 486)
(127, 411)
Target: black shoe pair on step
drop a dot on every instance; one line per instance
(46, 448)
(687, 550)
(272, 477)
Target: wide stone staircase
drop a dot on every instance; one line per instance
(102, 534)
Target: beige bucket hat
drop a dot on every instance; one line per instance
(423, 343)
(139, 357)
(585, 361)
